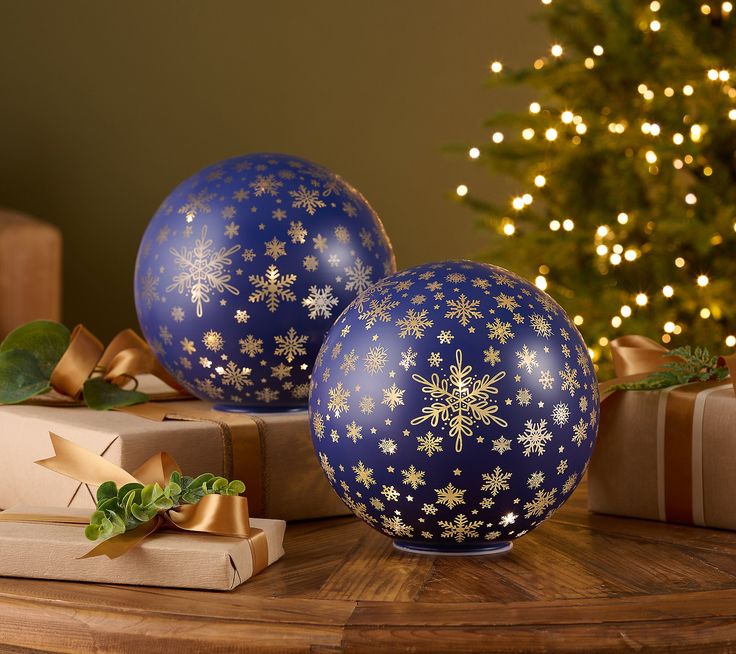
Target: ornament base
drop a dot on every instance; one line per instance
(230, 408)
(500, 547)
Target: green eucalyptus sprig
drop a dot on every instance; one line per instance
(125, 508)
(689, 366)
(28, 356)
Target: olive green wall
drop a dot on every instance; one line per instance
(105, 106)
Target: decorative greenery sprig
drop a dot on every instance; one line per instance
(690, 366)
(28, 356)
(125, 508)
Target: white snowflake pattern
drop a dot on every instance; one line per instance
(560, 414)
(535, 437)
(320, 302)
(359, 276)
(546, 379)
(527, 359)
(579, 432)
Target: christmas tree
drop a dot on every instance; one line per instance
(625, 169)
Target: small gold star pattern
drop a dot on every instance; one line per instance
(249, 261)
(455, 426)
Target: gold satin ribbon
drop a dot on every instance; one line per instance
(126, 356)
(241, 441)
(635, 357)
(221, 515)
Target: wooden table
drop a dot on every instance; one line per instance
(579, 583)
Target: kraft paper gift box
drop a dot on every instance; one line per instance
(271, 452)
(174, 559)
(668, 455)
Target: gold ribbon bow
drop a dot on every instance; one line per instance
(126, 355)
(221, 515)
(635, 357)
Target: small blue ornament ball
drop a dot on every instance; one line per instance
(454, 407)
(245, 266)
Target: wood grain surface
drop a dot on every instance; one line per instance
(580, 583)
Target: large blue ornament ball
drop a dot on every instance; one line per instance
(454, 407)
(245, 266)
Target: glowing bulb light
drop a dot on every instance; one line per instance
(496, 67)
(730, 340)
(622, 218)
(702, 280)
(641, 299)
(568, 225)
(556, 50)
(597, 50)
(541, 282)
(540, 181)
(527, 134)
(668, 291)
(461, 190)
(551, 134)
(535, 108)
(625, 311)
(497, 137)
(474, 153)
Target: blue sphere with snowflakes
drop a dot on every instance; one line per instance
(245, 266)
(454, 407)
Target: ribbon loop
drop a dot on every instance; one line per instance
(126, 356)
(221, 515)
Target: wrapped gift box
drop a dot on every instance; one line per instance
(176, 559)
(667, 455)
(271, 452)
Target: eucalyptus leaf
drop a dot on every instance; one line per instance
(102, 395)
(46, 340)
(106, 491)
(20, 377)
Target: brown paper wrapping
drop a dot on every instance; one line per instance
(169, 558)
(284, 479)
(628, 473)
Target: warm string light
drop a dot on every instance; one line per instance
(616, 253)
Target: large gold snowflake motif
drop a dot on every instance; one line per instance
(460, 401)
(272, 288)
(202, 270)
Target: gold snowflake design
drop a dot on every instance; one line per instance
(460, 401)
(272, 288)
(203, 270)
